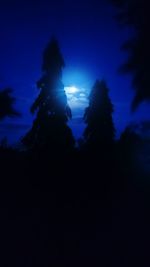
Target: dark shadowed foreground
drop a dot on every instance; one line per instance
(75, 209)
(67, 205)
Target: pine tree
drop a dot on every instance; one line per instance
(135, 14)
(50, 129)
(100, 130)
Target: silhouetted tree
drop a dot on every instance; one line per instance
(4, 143)
(130, 137)
(130, 145)
(135, 14)
(50, 127)
(6, 104)
(100, 130)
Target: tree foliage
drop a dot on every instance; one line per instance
(135, 15)
(50, 126)
(98, 117)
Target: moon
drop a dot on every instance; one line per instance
(77, 97)
(71, 90)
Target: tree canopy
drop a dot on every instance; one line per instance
(98, 116)
(135, 15)
(50, 126)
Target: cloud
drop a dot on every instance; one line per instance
(77, 99)
(82, 95)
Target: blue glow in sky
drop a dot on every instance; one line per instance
(90, 42)
(77, 87)
(77, 97)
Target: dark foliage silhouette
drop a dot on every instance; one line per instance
(82, 208)
(135, 14)
(6, 104)
(130, 143)
(134, 147)
(100, 129)
(50, 126)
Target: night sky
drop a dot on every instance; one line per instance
(90, 41)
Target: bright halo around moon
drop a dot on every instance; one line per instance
(71, 90)
(76, 97)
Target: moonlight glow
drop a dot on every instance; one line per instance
(71, 90)
(77, 97)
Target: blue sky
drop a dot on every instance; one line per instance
(90, 41)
